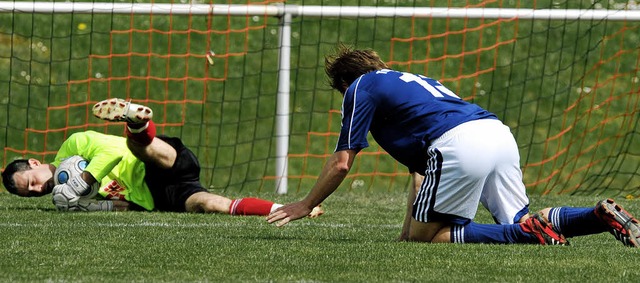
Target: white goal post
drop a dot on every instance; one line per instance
(286, 12)
(311, 10)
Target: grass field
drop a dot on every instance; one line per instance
(352, 242)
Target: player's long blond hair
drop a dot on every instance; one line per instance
(347, 64)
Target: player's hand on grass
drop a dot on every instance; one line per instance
(404, 236)
(288, 213)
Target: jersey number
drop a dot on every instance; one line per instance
(435, 88)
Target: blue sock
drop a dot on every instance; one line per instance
(576, 221)
(490, 233)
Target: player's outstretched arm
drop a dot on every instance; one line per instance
(333, 173)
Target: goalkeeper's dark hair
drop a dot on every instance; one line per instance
(347, 64)
(17, 165)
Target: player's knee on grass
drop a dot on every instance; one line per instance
(432, 232)
(443, 235)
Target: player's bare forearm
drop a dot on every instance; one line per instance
(333, 173)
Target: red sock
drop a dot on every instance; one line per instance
(250, 206)
(141, 133)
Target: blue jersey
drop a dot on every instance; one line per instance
(403, 112)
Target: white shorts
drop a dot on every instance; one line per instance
(475, 162)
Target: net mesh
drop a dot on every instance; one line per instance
(569, 89)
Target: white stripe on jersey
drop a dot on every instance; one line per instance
(353, 112)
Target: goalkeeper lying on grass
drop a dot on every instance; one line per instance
(140, 172)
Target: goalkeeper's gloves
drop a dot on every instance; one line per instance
(92, 205)
(67, 195)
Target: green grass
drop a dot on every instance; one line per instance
(352, 242)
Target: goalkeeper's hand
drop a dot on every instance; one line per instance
(92, 205)
(67, 195)
(65, 202)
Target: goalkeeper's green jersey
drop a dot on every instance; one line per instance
(120, 173)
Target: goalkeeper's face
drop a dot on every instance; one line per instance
(35, 182)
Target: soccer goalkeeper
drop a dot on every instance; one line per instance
(462, 154)
(140, 172)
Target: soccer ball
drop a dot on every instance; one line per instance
(69, 168)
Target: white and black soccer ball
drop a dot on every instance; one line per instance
(69, 167)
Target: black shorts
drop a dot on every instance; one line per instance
(170, 188)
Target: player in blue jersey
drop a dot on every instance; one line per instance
(460, 153)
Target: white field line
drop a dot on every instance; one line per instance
(195, 225)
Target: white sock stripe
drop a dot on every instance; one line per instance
(275, 206)
(234, 205)
(458, 234)
(454, 232)
(554, 218)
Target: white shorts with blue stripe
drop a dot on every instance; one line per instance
(475, 162)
